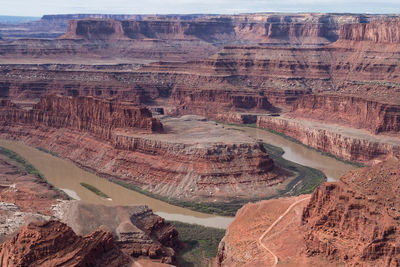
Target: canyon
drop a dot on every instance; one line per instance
(124, 232)
(186, 158)
(280, 66)
(134, 99)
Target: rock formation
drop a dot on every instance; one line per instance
(349, 110)
(137, 231)
(343, 142)
(193, 159)
(240, 245)
(383, 31)
(96, 116)
(357, 219)
(353, 222)
(243, 80)
(54, 244)
(24, 197)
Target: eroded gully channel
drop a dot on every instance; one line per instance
(67, 176)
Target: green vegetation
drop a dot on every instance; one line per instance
(200, 244)
(307, 178)
(94, 190)
(55, 154)
(356, 164)
(29, 168)
(291, 139)
(221, 208)
(306, 181)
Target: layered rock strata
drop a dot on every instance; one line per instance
(26, 198)
(54, 244)
(244, 78)
(349, 110)
(353, 222)
(193, 159)
(357, 219)
(343, 142)
(382, 31)
(137, 231)
(98, 117)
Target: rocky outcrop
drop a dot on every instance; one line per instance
(213, 30)
(353, 222)
(137, 231)
(99, 117)
(353, 111)
(95, 29)
(24, 197)
(342, 142)
(382, 31)
(357, 219)
(301, 29)
(240, 245)
(53, 243)
(193, 159)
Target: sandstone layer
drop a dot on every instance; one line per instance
(55, 244)
(26, 198)
(314, 66)
(349, 110)
(357, 220)
(99, 117)
(353, 222)
(137, 231)
(191, 159)
(343, 142)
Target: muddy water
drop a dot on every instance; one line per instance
(67, 176)
(332, 168)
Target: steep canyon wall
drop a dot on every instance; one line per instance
(120, 141)
(342, 142)
(356, 220)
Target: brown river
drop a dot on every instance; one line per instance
(332, 168)
(67, 176)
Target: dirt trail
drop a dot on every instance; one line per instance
(259, 241)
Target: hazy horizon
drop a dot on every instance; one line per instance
(47, 7)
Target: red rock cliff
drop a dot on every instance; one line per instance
(357, 219)
(349, 110)
(346, 143)
(381, 31)
(96, 116)
(95, 29)
(219, 163)
(55, 244)
(283, 29)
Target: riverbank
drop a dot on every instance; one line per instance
(64, 174)
(296, 141)
(296, 152)
(304, 181)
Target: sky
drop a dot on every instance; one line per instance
(42, 7)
